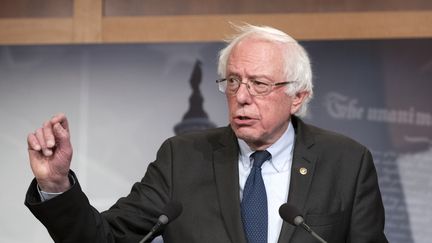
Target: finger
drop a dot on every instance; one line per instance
(65, 124)
(48, 134)
(41, 139)
(62, 135)
(33, 143)
(60, 118)
(57, 118)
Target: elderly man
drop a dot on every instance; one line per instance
(231, 180)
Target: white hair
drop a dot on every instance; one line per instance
(297, 64)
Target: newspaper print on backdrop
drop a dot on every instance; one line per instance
(378, 92)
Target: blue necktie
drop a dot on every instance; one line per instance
(254, 202)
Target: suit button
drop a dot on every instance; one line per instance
(303, 171)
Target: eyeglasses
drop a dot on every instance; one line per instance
(231, 85)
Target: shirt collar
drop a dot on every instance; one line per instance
(280, 147)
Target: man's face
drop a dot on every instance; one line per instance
(259, 120)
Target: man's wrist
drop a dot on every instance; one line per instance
(55, 187)
(47, 195)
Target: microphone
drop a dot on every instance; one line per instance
(292, 215)
(170, 212)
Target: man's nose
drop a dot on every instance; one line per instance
(243, 96)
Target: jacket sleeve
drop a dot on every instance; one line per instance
(69, 217)
(367, 219)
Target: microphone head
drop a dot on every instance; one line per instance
(170, 212)
(290, 214)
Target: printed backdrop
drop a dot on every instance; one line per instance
(124, 100)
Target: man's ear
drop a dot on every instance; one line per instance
(297, 101)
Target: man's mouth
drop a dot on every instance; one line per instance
(244, 118)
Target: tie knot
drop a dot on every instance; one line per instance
(260, 157)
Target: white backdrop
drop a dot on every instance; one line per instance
(121, 101)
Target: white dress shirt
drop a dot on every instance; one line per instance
(276, 174)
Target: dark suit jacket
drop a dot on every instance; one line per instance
(339, 196)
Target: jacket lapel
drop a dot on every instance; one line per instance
(301, 173)
(225, 164)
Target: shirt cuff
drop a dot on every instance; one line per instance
(45, 196)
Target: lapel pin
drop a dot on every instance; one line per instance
(303, 171)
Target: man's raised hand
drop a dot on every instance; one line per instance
(50, 154)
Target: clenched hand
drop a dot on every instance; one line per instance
(50, 153)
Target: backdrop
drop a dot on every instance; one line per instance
(122, 101)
